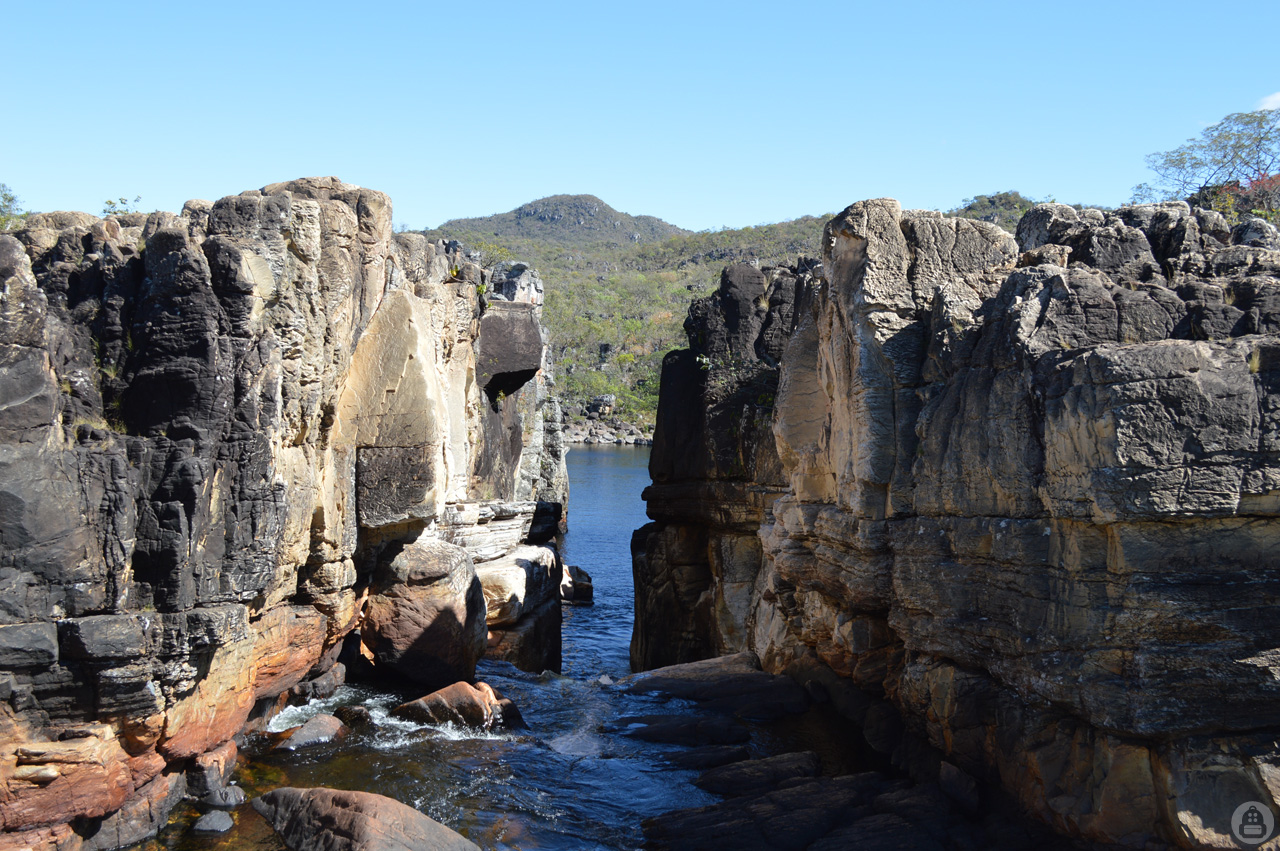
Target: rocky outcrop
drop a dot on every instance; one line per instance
(337, 820)
(1025, 506)
(714, 468)
(221, 432)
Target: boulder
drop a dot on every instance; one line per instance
(335, 820)
(425, 617)
(316, 731)
(519, 582)
(464, 705)
(576, 586)
(533, 643)
(216, 821)
(732, 684)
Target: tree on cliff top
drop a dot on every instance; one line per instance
(1233, 167)
(11, 214)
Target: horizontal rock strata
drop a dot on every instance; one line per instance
(1020, 495)
(228, 439)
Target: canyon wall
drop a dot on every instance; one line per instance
(229, 438)
(1019, 501)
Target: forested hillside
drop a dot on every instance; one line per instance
(618, 286)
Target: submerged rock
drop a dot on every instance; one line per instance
(756, 776)
(687, 730)
(335, 820)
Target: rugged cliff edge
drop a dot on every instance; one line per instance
(1020, 498)
(227, 437)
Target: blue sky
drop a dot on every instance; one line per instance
(705, 114)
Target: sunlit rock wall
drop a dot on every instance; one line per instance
(215, 428)
(1031, 509)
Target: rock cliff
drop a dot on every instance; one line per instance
(1019, 500)
(229, 438)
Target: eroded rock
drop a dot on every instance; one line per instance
(353, 821)
(1020, 514)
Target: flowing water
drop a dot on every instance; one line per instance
(572, 781)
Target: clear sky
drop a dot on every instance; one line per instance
(705, 114)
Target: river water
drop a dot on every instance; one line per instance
(572, 781)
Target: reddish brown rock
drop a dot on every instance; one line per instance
(290, 640)
(57, 838)
(141, 816)
(462, 704)
(48, 783)
(144, 767)
(216, 708)
(425, 618)
(337, 820)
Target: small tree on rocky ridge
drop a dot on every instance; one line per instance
(11, 215)
(1234, 167)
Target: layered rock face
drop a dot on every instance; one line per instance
(1029, 502)
(220, 432)
(714, 468)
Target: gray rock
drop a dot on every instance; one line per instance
(28, 645)
(353, 821)
(317, 730)
(101, 637)
(1022, 503)
(757, 776)
(216, 821)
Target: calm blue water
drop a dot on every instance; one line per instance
(604, 509)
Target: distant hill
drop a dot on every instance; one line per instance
(618, 286)
(567, 220)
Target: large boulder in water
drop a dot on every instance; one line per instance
(518, 583)
(336, 820)
(464, 705)
(426, 613)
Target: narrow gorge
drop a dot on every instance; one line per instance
(958, 540)
(1010, 506)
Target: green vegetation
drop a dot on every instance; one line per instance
(1234, 168)
(11, 214)
(120, 206)
(1001, 208)
(618, 286)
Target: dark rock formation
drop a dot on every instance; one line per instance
(1027, 508)
(217, 430)
(337, 820)
(714, 468)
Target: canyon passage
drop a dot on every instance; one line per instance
(958, 540)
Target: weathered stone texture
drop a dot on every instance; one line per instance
(1029, 504)
(215, 428)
